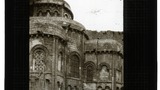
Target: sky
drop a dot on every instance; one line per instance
(100, 15)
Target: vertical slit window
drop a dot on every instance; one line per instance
(60, 61)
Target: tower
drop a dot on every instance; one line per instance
(51, 8)
(56, 46)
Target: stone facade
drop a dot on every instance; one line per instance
(66, 56)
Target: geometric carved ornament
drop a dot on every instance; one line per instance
(39, 56)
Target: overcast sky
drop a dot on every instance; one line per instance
(98, 15)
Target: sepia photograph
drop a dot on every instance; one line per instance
(76, 45)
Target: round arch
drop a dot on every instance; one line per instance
(39, 13)
(56, 13)
(107, 88)
(38, 58)
(75, 63)
(48, 12)
(66, 15)
(104, 64)
(39, 46)
(99, 88)
(89, 63)
(75, 53)
(90, 68)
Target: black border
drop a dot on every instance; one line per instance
(16, 44)
(140, 44)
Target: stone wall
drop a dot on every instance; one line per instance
(103, 77)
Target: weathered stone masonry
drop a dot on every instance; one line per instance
(66, 56)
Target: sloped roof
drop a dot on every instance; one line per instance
(103, 45)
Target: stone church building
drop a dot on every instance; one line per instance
(66, 56)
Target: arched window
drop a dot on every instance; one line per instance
(90, 73)
(90, 68)
(104, 68)
(39, 13)
(117, 88)
(60, 61)
(118, 75)
(74, 63)
(69, 87)
(66, 15)
(47, 82)
(48, 13)
(55, 13)
(99, 88)
(104, 72)
(58, 85)
(39, 56)
(75, 88)
(107, 88)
